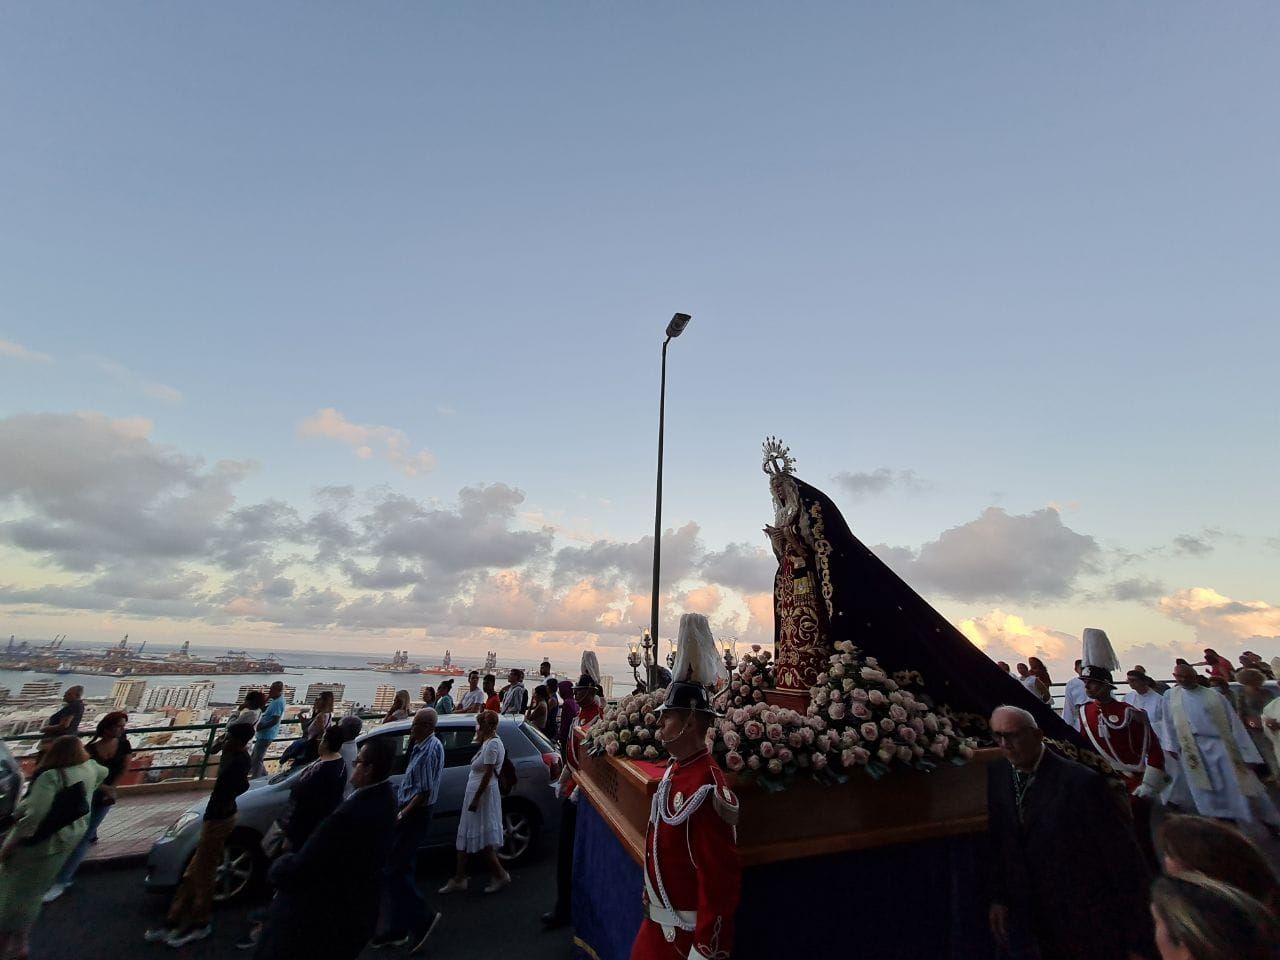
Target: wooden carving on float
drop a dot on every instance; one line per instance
(802, 611)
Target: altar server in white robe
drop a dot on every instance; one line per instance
(1213, 749)
(1143, 695)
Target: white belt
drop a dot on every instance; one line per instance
(671, 920)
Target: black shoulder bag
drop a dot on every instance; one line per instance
(69, 805)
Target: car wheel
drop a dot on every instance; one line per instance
(520, 832)
(242, 868)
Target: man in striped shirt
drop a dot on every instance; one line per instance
(405, 916)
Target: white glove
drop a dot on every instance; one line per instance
(1153, 782)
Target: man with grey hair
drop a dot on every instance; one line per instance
(1063, 856)
(405, 916)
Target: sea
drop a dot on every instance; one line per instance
(301, 669)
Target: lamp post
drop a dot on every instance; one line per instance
(674, 329)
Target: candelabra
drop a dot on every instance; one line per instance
(642, 652)
(671, 655)
(730, 661)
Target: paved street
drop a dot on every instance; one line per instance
(105, 913)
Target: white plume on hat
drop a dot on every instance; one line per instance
(697, 657)
(591, 665)
(1098, 651)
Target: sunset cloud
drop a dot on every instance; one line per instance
(369, 441)
(1218, 618)
(1009, 637)
(15, 351)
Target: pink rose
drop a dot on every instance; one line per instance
(795, 739)
(754, 729)
(917, 725)
(940, 749)
(739, 716)
(757, 695)
(869, 731)
(767, 750)
(859, 694)
(861, 755)
(837, 711)
(820, 761)
(904, 754)
(849, 738)
(906, 735)
(775, 767)
(611, 748)
(898, 713)
(733, 760)
(823, 743)
(886, 752)
(875, 697)
(887, 725)
(966, 751)
(848, 758)
(807, 736)
(836, 696)
(931, 723)
(732, 740)
(770, 716)
(822, 680)
(785, 755)
(774, 731)
(917, 750)
(753, 762)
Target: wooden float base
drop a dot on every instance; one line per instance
(809, 819)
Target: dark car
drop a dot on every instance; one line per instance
(530, 806)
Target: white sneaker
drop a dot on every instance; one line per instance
(453, 886)
(158, 934)
(191, 936)
(54, 892)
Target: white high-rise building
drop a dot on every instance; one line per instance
(194, 696)
(315, 689)
(289, 691)
(39, 689)
(127, 693)
(383, 698)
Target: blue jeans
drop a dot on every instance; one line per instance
(404, 908)
(96, 816)
(260, 748)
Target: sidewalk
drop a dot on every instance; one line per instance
(137, 820)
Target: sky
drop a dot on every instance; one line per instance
(340, 329)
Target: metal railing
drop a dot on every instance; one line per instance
(166, 773)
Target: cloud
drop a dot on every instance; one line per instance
(1220, 619)
(740, 566)
(157, 391)
(16, 351)
(999, 556)
(1192, 546)
(630, 563)
(1139, 589)
(861, 485)
(1009, 637)
(369, 441)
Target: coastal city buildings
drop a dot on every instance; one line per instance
(315, 689)
(383, 698)
(194, 696)
(126, 694)
(36, 689)
(289, 691)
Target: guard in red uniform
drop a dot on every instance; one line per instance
(691, 874)
(1123, 734)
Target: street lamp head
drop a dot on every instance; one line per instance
(677, 324)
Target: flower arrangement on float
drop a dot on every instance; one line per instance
(859, 716)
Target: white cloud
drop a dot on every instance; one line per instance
(863, 484)
(1219, 619)
(368, 440)
(16, 351)
(999, 556)
(157, 391)
(1009, 637)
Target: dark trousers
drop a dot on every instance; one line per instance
(404, 908)
(564, 859)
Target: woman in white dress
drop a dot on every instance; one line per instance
(480, 826)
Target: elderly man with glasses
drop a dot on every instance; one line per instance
(1064, 862)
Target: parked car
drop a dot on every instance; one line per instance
(527, 810)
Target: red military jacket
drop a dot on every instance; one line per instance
(691, 856)
(1122, 733)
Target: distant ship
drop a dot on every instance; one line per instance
(491, 660)
(398, 664)
(446, 669)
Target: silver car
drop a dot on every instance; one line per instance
(530, 806)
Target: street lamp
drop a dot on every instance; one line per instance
(674, 329)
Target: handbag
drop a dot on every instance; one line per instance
(69, 804)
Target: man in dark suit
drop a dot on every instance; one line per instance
(1066, 872)
(354, 840)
